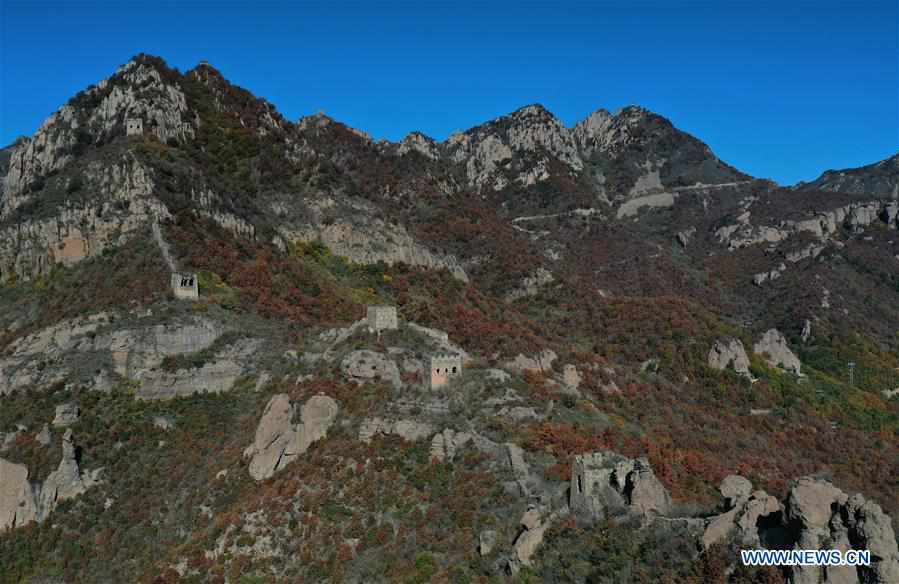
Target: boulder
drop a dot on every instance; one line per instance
(18, 505)
(571, 377)
(279, 442)
(729, 352)
(363, 366)
(736, 490)
(486, 542)
(44, 437)
(773, 346)
(273, 435)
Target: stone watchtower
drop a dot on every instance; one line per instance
(444, 368)
(381, 318)
(597, 478)
(184, 286)
(134, 127)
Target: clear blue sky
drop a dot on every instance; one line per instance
(780, 89)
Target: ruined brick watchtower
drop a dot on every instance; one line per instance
(381, 318)
(134, 127)
(444, 368)
(184, 286)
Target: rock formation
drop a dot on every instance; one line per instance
(743, 508)
(410, 430)
(815, 515)
(18, 505)
(541, 362)
(729, 352)
(822, 516)
(279, 441)
(361, 366)
(22, 502)
(535, 525)
(773, 346)
(445, 444)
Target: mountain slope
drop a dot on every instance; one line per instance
(880, 178)
(608, 289)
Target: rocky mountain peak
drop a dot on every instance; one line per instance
(532, 112)
(418, 142)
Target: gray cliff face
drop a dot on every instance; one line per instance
(120, 207)
(133, 354)
(136, 90)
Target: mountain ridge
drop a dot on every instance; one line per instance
(261, 350)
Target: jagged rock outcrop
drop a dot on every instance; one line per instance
(606, 483)
(773, 346)
(822, 516)
(374, 241)
(541, 362)
(815, 515)
(535, 523)
(217, 375)
(729, 352)
(824, 226)
(410, 430)
(490, 152)
(806, 330)
(445, 444)
(531, 285)
(22, 502)
(743, 509)
(487, 540)
(67, 481)
(361, 366)
(122, 205)
(521, 471)
(418, 142)
(279, 441)
(135, 353)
